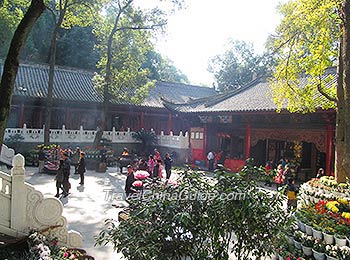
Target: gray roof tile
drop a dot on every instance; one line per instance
(76, 85)
(255, 96)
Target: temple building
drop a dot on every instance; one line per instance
(239, 124)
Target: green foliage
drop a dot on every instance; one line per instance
(237, 66)
(147, 138)
(306, 44)
(76, 48)
(162, 69)
(14, 141)
(125, 34)
(200, 218)
(11, 12)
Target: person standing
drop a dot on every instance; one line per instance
(81, 167)
(66, 173)
(75, 159)
(129, 181)
(59, 180)
(320, 173)
(157, 155)
(291, 191)
(287, 173)
(211, 159)
(150, 164)
(167, 164)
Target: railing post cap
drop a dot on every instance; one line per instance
(18, 160)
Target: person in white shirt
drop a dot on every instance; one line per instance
(211, 159)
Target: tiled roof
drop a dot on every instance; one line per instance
(255, 96)
(70, 85)
(76, 85)
(176, 92)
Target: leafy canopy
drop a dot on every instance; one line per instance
(125, 34)
(237, 66)
(305, 47)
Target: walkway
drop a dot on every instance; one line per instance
(87, 206)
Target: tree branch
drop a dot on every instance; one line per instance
(323, 93)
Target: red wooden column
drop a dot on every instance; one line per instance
(142, 120)
(205, 148)
(170, 123)
(21, 115)
(329, 149)
(247, 141)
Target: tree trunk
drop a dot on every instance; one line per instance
(343, 94)
(106, 95)
(48, 111)
(9, 74)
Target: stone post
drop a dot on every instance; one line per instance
(81, 131)
(18, 194)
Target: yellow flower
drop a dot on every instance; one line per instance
(343, 201)
(346, 215)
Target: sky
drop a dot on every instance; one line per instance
(199, 32)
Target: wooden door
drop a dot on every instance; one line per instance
(197, 143)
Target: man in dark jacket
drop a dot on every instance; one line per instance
(129, 181)
(167, 163)
(66, 173)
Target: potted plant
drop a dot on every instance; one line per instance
(300, 218)
(344, 252)
(316, 231)
(340, 234)
(307, 243)
(332, 252)
(297, 239)
(319, 249)
(328, 235)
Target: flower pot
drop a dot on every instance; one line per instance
(307, 250)
(316, 233)
(331, 258)
(318, 255)
(328, 238)
(340, 241)
(290, 240)
(301, 226)
(308, 230)
(297, 244)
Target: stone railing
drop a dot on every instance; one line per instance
(22, 208)
(6, 155)
(174, 141)
(87, 136)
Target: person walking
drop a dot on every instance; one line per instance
(59, 180)
(66, 173)
(81, 167)
(167, 164)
